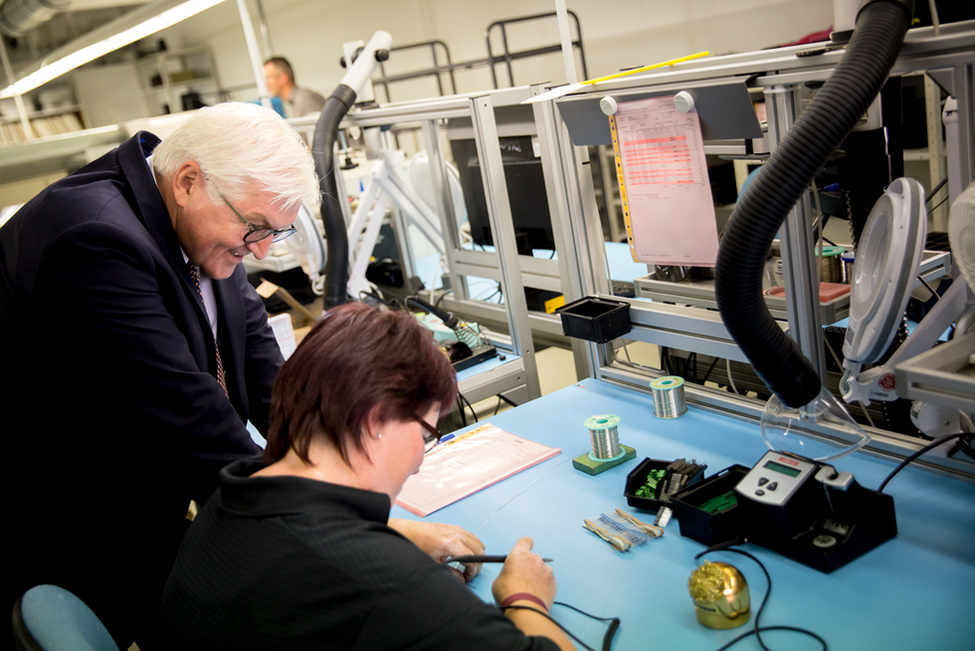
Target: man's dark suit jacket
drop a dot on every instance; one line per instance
(112, 417)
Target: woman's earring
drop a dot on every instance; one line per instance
(379, 435)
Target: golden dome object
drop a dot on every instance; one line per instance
(720, 595)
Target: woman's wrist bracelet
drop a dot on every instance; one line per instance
(522, 596)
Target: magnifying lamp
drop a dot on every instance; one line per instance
(886, 264)
(961, 234)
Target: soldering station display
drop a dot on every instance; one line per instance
(778, 467)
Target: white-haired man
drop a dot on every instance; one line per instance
(136, 351)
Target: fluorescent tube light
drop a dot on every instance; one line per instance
(118, 33)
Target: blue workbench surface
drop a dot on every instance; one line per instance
(913, 592)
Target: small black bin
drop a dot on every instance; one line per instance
(710, 527)
(638, 477)
(595, 319)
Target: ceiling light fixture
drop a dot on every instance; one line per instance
(116, 34)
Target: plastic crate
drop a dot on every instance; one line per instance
(709, 528)
(595, 319)
(638, 477)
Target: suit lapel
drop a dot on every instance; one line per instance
(155, 217)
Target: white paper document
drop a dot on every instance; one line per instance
(463, 466)
(668, 205)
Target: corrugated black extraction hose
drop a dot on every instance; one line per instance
(856, 81)
(337, 262)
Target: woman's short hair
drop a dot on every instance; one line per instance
(357, 359)
(243, 148)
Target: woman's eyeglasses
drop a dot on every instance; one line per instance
(431, 435)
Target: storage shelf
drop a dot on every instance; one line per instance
(46, 113)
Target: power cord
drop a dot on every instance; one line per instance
(464, 401)
(930, 446)
(725, 547)
(614, 623)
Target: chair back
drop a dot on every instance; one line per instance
(49, 618)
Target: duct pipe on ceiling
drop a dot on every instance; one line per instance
(17, 17)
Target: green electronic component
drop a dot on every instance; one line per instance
(719, 503)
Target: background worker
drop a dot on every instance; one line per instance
(280, 79)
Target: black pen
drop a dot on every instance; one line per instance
(483, 558)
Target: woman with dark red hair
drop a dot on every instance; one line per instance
(298, 551)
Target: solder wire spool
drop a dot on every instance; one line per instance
(832, 264)
(668, 396)
(607, 451)
(604, 436)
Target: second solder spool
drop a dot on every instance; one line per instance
(668, 396)
(604, 436)
(832, 264)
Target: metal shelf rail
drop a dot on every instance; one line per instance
(569, 124)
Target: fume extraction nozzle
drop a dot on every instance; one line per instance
(782, 428)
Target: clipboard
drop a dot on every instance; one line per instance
(467, 464)
(663, 182)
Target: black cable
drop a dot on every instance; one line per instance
(774, 628)
(513, 404)
(395, 305)
(460, 396)
(930, 446)
(448, 318)
(938, 206)
(460, 410)
(964, 446)
(726, 547)
(441, 297)
(707, 374)
(935, 191)
(614, 623)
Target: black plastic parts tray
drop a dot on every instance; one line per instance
(638, 477)
(595, 319)
(700, 525)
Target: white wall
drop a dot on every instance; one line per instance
(110, 94)
(616, 34)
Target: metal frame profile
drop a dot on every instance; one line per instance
(948, 58)
(517, 377)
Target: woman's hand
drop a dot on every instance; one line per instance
(525, 572)
(441, 541)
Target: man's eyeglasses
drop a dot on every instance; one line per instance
(254, 233)
(431, 436)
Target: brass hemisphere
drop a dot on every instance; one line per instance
(720, 595)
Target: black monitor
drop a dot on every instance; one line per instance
(526, 193)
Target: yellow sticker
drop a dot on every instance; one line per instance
(553, 304)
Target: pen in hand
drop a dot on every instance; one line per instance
(483, 558)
